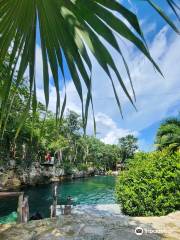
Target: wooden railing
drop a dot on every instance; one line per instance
(10, 194)
(23, 206)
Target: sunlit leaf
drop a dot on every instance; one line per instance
(69, 30)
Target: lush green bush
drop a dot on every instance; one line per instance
(82, 167)
(68, 167)
(150, 184)
(109, 172)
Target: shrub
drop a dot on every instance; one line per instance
(68, 168)
(109, 173)
(82, 167)
(150, 184)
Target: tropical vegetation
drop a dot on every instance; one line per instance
(149, 185)
(41, 133)
(69, 31)
(168, 134)
(128, 146)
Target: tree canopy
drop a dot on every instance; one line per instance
(128, 146)
(168, 134)
(41, 133)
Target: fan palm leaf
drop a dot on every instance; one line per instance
(67, 28)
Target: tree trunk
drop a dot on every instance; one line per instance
(75, 156)
(19, 209)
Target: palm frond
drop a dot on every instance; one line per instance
(67, 28)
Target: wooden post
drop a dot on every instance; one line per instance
(59, 156)
(23, 206)
(23, 209)
(19, 209)
(67, 208)
(54, 205)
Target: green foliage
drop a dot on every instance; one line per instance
(128, 145)
(69, 30)
(82, 167)
(12, 146)
(150, 184)
(68, 167)
(41, 133)
(168, 135)
(109, 172)
(100, 155)
(72, 123)
(60, 143)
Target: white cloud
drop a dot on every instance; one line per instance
(39, 68)
(73, 101)
(109, 131)
(38, 71)
(155, 95)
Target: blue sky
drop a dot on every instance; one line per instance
(157, 97)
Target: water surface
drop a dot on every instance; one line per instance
(88, 191)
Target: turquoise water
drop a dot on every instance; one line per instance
(93, 190)
(12, 217)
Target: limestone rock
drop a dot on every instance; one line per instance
(85, 227)
(37, 174)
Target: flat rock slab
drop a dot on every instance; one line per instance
(92, 227)
(99, 210)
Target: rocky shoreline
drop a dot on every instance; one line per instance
(95, 226)
(13, 178)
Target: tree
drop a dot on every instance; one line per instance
(71, 129)
(67, 28)
(128, 146)
(24, 145)
(93, 152)
(40, 132)
(72, 123)
(168, 135)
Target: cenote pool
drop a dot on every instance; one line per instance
(92, 190)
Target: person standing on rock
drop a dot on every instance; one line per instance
(48, 157)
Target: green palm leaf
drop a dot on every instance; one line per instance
(67, 28)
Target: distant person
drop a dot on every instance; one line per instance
(48, 157)
(69, 200)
